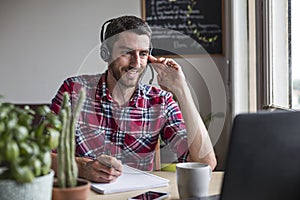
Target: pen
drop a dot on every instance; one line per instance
(103, 161)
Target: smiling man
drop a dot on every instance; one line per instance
(122, 119)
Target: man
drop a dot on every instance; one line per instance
(122, 118)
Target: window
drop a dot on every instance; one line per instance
(273, 55)
(278, 53)
(294, 15)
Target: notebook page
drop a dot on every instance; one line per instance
(131, 179)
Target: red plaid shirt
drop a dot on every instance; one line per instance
(130, 133)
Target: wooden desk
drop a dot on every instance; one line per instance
(215, 188)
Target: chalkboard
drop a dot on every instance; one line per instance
(185, 27)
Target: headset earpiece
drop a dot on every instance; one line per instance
(104, 52)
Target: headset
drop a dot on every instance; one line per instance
(105, 54)
(104, 51)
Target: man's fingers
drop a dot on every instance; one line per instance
(101, 173)
(110, 162)
(116, 164)
(103, 177)
(162, 63)
(104, 169)
(152, 59)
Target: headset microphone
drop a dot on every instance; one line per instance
(152, 73)
(150, 66)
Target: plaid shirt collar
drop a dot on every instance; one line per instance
(104, 95)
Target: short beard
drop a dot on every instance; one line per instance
(118, 76)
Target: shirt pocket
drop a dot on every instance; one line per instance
(142, 145)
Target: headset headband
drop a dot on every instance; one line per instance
(102, 29)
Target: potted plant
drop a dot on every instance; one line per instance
(68, 185)
(25, 158)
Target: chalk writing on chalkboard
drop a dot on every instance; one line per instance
(181, 26)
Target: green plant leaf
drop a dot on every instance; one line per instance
(37, 167)
(20, 133)
(12, 151)
(26, 149)
(52, 139)
(45, 157)
(23, 174)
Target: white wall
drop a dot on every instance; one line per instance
(44, 41)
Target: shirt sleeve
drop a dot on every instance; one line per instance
(72, 87)
(174, 132)
(58, 98)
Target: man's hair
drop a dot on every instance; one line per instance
(125, 23)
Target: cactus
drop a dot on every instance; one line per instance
(67, 167)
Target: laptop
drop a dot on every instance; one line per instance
(263, 161)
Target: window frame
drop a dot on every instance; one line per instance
(273, 63)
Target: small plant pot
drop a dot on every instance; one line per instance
(80, 192)
(39, 188)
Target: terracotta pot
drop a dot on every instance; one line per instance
(80, 192)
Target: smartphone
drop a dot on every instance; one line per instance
(150, 195)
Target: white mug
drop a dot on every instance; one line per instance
(193, 179)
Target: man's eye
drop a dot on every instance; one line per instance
(144, 53)
(126, 52)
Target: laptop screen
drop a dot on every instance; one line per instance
(263, 161)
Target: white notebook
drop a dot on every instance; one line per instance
(131, 179)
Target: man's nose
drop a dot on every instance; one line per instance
(135, 60)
